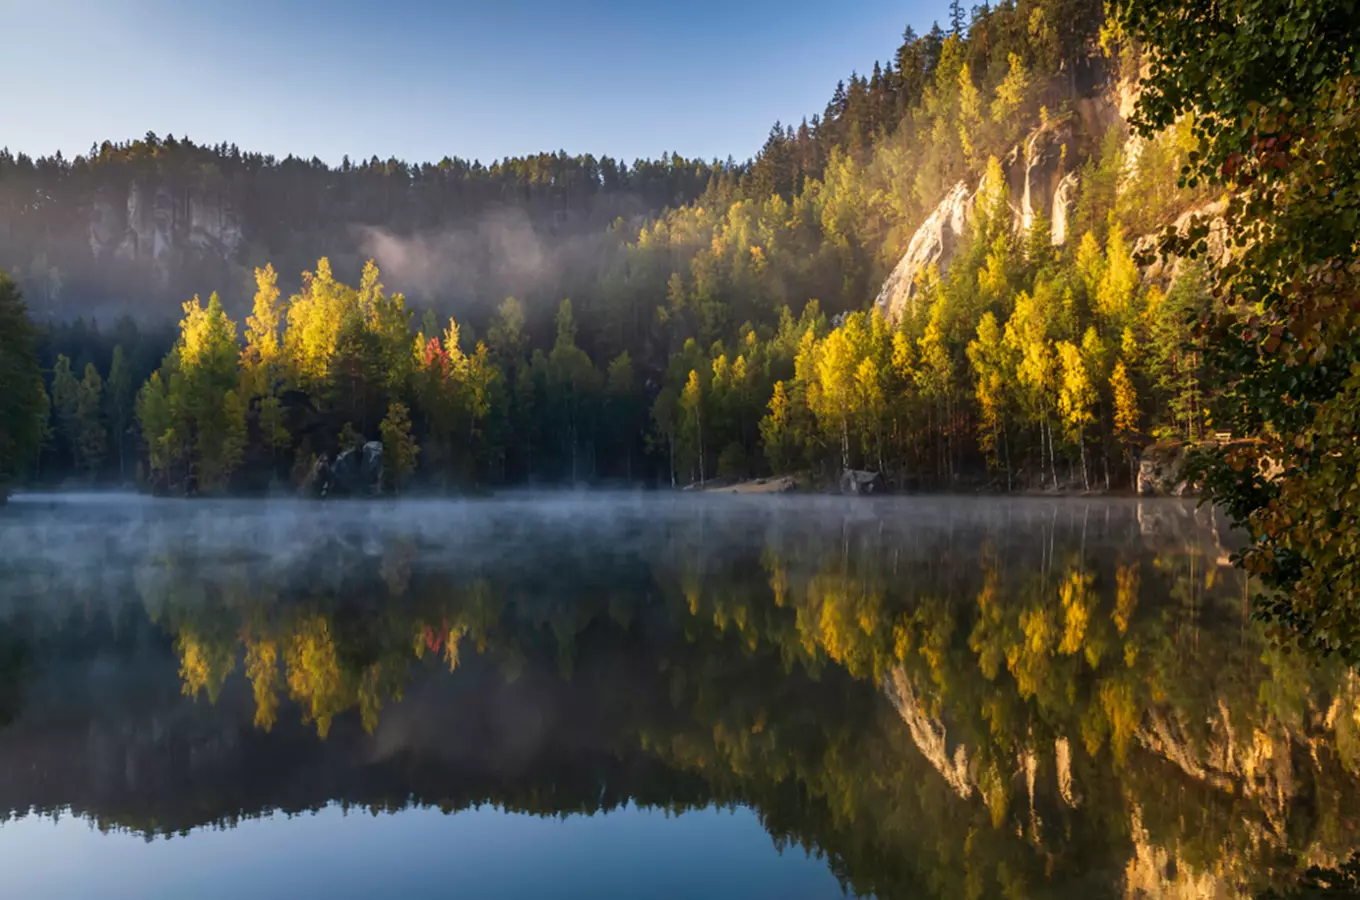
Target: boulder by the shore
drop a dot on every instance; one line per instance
(354, 473)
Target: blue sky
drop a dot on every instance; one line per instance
(420, 80)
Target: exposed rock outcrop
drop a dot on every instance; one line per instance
(1045, 170)
(1216, 241)
(155, 225)
(1064, 196)
(353, 473)
(1161, 471)
(857, 481)
(932, 245)
(1038, 184)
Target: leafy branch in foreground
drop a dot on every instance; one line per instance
(1273, 87)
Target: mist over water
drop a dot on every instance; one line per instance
(897, 696)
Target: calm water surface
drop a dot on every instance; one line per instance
(710, 696)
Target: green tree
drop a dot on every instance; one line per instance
(573, 388)
(92, 439)
(21, 408)
(993, 378)
(399, 448)
(119, 398)
(776, 432)
(66, 402)
(623, 409)
(46, 432)
(692, 412)
(192, 415)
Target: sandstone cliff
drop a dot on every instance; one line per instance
(160, 228)
(1041, 182)
(1042, 175)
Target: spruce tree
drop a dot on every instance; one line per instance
(21, 408)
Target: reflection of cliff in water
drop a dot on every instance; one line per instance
(947, 697)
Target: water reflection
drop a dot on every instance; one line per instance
(945, 697)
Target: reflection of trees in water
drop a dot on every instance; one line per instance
(1083, 680)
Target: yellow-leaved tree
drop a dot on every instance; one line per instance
(1076, 396)
(1125, 415)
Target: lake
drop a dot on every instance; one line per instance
(656, 696)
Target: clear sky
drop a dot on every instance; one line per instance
(422, 79)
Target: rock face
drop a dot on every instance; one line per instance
(1039, 184)
(1216, 241)
(1064, 196)
(1045, 171)
(155, 225)
(932, 245)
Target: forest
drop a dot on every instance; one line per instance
(729, 335)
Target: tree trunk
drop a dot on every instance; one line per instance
(1052, 454)
(845, 443)
(700, 423)
(1085, 480)
(1006, 449)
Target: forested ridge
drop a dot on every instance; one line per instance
(730, 335)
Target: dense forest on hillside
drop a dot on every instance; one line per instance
(731, 334)
(135, 227)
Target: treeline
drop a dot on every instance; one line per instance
(132, 227)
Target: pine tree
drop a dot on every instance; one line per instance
(775, 431)
(119, 399)
(65, 401)
(956, 18)
(573, 385)
(162, 430)
(43, 406)
(92, 437)
(21, 411)
(622, 409)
